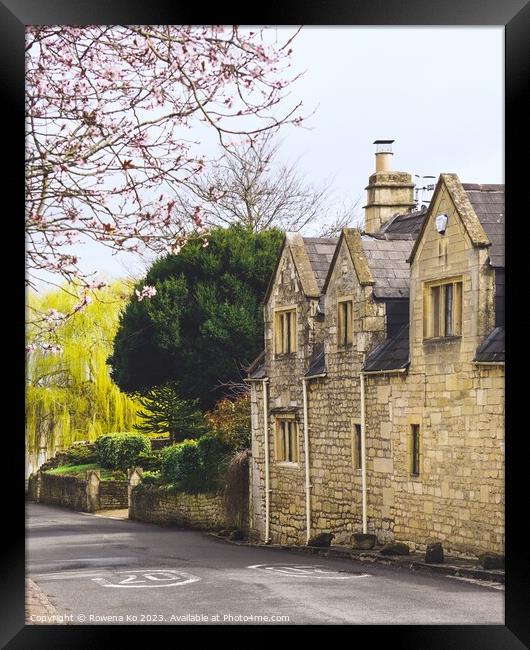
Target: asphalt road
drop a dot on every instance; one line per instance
(98, 570)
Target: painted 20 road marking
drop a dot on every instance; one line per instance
(141, 579)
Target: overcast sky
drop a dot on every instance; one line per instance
(438, 92)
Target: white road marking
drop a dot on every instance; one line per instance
(143, 578)
(67, 575)
(306, 571)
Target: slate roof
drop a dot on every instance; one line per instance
(403, 226)
(387, 260)
(320, 252)
(392, 354)
(488, 203)
(492, 349)
(257, 369)
(317, 364)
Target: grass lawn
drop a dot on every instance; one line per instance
(80, 471)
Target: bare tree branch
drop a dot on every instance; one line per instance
(249, 186)
(109, 110)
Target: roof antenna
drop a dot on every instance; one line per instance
(425, 188)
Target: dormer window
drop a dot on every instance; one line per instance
(345, 322)
(285, 338)
(442, 309)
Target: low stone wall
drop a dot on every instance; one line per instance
(66, 491)
(113, 495)
(88, 494)
(148, 503)
(160, 506)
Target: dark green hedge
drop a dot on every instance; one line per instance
(195, 465)
(121, 450)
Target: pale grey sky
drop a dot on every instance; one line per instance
(437, 91)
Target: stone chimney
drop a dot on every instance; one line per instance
(388, 192)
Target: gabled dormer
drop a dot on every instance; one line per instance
(292, 299)
(369, 279)
(457, 272)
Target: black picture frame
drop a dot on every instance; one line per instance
(515, 16)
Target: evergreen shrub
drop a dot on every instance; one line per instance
(121, 450)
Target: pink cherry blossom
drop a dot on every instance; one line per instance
(146, 292)
(52, 316)
(109, 116)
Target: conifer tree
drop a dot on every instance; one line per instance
(164, 411)
(205, 320)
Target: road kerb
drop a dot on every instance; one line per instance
(408, 562)
(39, 609)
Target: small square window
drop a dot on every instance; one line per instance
(442, 312)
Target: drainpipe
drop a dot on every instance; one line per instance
(266, 445)
(363, 454)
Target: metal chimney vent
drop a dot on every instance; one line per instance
(383, 146)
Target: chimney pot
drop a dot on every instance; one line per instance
(383, 153)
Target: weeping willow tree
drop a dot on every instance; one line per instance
(69, 393)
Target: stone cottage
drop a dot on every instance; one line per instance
(378, 402)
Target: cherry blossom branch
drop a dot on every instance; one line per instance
(107, 113)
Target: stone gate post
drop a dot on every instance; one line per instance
(135, 477)
(93, 479)
(34, 486)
